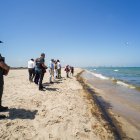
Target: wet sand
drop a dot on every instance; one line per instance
(64, 111)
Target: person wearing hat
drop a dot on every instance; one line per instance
(40, 70)
(4, 69)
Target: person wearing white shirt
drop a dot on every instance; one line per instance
(31, 69)
(51, 69)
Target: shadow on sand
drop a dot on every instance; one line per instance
(46, 84)
(52, 89)
(58, 82)
(21, 114)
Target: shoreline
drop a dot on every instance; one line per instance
(125, 127)
(113, 124)
(104, 113)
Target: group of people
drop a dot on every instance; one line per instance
(69, 71)
(55, 70)
(37, 69)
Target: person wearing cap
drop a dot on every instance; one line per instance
(4, 69)
(40, 70)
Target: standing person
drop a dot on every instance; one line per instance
(51, 70)
(59, 69)
(4, 69)
(67, 69)
(55, 70)
(72, 70)
(40, 70)
(31, 69)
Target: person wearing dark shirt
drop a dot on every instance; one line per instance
(67, 69)
(4, 69)
(72, 70)
(40, 70)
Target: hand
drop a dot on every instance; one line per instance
(5, 72)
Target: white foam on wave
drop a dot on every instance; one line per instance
(100, 76)
(121, 83)
(124, 84)
(116, 70)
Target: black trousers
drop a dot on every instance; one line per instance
(41, 79)
(1, 92)
(31, 74)
(39, 75)
(59, 73)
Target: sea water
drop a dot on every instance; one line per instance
(127, 76)
(119, 87)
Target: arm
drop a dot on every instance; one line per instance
(44, 66)
(4, 66)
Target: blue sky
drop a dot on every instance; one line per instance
(78, 32)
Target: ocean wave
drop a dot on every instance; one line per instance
(122, 83)
(100, 76)
(125, 84)
(97, 75)
(114, 80)
(119, 82)
(116, 70)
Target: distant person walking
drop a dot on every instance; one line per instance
(40, 69)
(59, 69)
(31, 69)
(4, 69)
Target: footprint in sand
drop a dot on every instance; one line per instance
(36, 103)
(23, 132)
(43, 113)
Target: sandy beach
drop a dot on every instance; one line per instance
(62, 112)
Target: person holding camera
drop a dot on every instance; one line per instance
(4, 69)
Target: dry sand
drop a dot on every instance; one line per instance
(62, 112)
